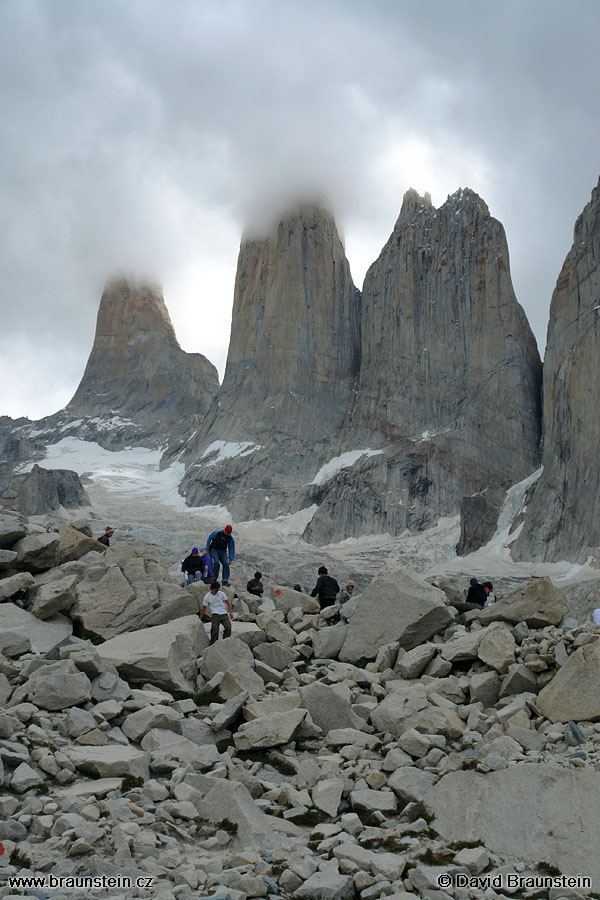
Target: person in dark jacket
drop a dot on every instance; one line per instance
(105, 538)
(207, 571)
(221, 546)
(255, 585)
(326, 588)
(193, 567)
(476, 597)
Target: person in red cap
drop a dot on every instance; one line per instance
(221, 547)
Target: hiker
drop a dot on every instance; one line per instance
(221, 546)
(346, 593)
(326, 588)
(105, 538)
(255, 585)
(489, 589)
(192, 567)
(476, 597)
(221, 612)
(207, 567)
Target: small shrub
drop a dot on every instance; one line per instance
(130, 782)
(441, 858)
(419, 811)
(310, 818)
(548, 869)
(465, 845)
(229, 827)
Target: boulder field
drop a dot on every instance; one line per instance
(290, 760)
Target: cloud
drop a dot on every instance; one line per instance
(146, 136)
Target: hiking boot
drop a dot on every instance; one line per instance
(225, 584)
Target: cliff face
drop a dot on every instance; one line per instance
(291, 370)
(562, 520)
(136, 369)
(450, 375)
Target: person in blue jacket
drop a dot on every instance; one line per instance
(221, 546)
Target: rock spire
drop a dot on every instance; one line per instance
(563, 516)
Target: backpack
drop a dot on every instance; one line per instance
(220, 541)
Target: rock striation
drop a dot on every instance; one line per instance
(292, 368)
(563, 516)
(382, 412)
(449, 387)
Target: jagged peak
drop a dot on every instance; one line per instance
(413, 202)
(466, 198)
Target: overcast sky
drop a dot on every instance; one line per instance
(145, 135)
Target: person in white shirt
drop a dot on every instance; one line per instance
(221, 612)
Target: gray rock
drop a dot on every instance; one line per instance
(533, 812)
(327, 795)
(484, 688)
(518, 680)
(269, 731)
(463, 647)
(7, 559)
(231, 800)
(327, 642)
(164, 655)
(14, 644)
(12, 529)
(25, 778)
(45, 490)
(369, 801)
(139, 723)
(478, 518)
(129, 589)
(328, 707)
(412, 663)
(37, 552)
(326, 886)
(225, 656)
(574, 692)
(497, 649)
(402, 608)
(538, 603)
(58, 686)
(74, 544)
(410, 784)
(44, 636)
(58, 596)
(275, 655)
(229, 712)
(111, 760)
(15, 584)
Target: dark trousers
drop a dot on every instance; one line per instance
(216, 620)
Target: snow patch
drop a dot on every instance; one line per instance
(287, 525)
(575, 569)
(344, 461)
(133, 471)
(228, 450)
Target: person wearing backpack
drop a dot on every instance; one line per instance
(221, 546)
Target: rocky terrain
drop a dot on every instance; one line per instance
(363, 752)
(563, 515)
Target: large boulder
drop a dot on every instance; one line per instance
(164, 656)
(129, 589)
(54, 597)
(529, 811)
(230, 800)
(400, 608)
(74, 544)
(328, 707)
(269, 731)
(538, 603)
(58, 686)
(226, 656)
(37, 552)
(14, 584)
(110, 760)
(44, 636)
(286, 599)
(574, 692)
(12, 530)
